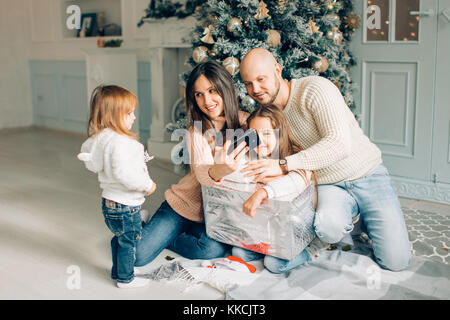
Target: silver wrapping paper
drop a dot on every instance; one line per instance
(280, 228)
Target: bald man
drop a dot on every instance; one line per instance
(352, 179)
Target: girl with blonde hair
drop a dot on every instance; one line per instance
(113, 151)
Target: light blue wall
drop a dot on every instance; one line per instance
(144, 96)
(59, 95)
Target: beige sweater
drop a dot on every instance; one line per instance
(334, 145)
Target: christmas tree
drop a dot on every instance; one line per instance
(307, 37)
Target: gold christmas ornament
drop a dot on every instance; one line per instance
(281, 6)
(231, 64)
(320, 65)
(200, 54)
(337, 84)
(183, 92)
(331, 4)
(273, 38)
(352, 21)
(313, 28)
(207, 35)
(335, 35)
(212, 19)
(234, 24)
(262, 11)
(101, 42)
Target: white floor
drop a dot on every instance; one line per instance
(50, 221)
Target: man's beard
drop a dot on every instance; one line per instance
(275, 95)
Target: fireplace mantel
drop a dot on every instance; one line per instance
(166, 38)
(169, 32)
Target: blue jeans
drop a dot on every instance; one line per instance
(168, 229)
(125, 222)
(273, 264)
(375, 199)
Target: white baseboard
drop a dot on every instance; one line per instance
(421, 190)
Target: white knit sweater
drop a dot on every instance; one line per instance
(334, 145)
(119, 162)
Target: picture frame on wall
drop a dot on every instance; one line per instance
(88, 25)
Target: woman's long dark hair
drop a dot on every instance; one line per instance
(223, 83)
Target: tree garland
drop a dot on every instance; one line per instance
(160, 9)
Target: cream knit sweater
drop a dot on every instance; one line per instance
(334, 145)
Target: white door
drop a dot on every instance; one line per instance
(396, 56)
(441, 133)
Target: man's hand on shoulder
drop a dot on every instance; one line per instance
(261, 169)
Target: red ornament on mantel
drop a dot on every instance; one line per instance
(101, 42)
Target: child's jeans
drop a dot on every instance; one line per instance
(125, 222)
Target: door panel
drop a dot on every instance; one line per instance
(441, 136)
(391, 113)
(45, 98)
(397, 85)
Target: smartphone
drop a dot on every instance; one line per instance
(250, 137)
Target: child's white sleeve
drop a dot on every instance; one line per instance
(128, 165)
(293, 183)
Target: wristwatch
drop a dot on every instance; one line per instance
(283, 165)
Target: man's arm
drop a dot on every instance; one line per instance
(330, 113)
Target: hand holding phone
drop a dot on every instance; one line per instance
(250, 137)
(226, 163)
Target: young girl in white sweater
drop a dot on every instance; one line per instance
(277, 141)
(114, 152)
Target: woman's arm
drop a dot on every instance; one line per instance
(209, 168)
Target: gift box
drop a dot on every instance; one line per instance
(280, 228)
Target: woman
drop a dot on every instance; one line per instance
(178, 224)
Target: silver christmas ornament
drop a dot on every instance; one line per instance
(320, 65)
(273, 38)
(234, 24)
(232, 65)
(335, 35)
(248, 103)
(200, 54)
